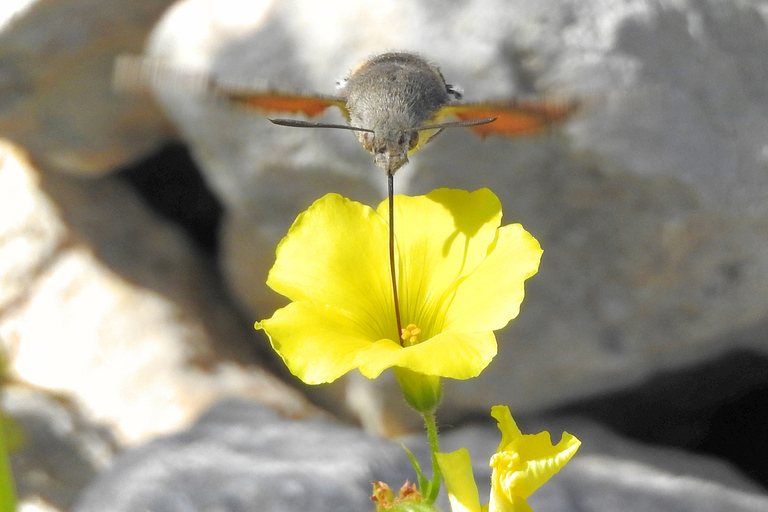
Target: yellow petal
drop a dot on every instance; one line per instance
(440, 237)
(507, 425)
(491, 295)
(545, 463)
(456, 468)
(318, 343)
(455, 355)
(517, 504)
(534, 459)
(336, 253)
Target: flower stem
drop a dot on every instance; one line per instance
(434, 446)
(391, 194)
(7, 494)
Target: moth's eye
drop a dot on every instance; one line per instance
(401, 139)
(414, 140)
(454, 91)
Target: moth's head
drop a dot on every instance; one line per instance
(389, 148)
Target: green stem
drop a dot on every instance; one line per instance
(7, 495)
(434, 446)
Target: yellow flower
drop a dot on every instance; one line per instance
(460, 277)
(522, 463)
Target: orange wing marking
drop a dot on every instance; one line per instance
(272, 101)
(513, 118)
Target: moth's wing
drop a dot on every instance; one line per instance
(136, 74)
(276, 101)
(140, 74)
(513, 117)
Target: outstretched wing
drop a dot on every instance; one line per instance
(276, 101)
(514, 117)
(134, 73)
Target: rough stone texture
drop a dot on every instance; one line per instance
(650, 205)
(61, 452)
(240, 456)
(110, 306)
(56, 97)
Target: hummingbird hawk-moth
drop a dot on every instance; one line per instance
(394, 102)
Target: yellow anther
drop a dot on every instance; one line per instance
(410, 335)
(506, 461)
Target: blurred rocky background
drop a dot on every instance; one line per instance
(136, 233)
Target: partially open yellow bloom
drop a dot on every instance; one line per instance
(460, 277)
(522, 463)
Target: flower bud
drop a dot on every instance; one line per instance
(422, 392)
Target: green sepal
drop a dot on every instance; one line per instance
(422, 392)
(425, 484)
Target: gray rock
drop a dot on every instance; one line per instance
(239, 456)
(61, 451)
(109, 305)
(55, 76)
(650, 205)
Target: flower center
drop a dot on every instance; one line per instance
(506, 461)
(410, 335)
(506, 471)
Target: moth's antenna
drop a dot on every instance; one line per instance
(295, 123)
(458, 124)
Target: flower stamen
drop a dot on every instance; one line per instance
(409, 335)
(386, 500)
